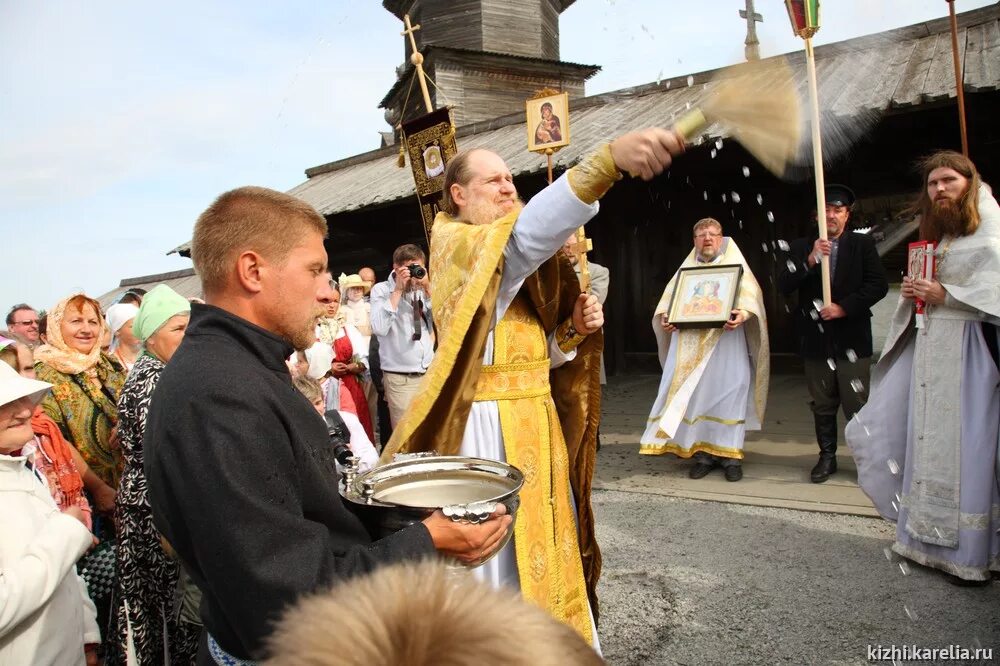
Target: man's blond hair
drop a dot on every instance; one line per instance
(423, 614)
(254, 219)
(705, 223)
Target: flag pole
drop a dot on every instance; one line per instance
(804, 15)
(959, 79)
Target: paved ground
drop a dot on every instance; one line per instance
(776, 468)
(773, 569)
(691, 582)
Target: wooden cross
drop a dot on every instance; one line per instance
(582, 246)
(752, 48)
(418, 61)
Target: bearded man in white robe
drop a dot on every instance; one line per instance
(926, 441)
(714, 385)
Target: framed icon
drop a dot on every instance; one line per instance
(704, 296)
(548, 122)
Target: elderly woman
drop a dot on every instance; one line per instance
(85, 384)
(147, 577)
(85, 387)
(124, 344)
(49, 452)
(45, 615)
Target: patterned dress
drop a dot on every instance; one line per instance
(83, 405)
(147, 577)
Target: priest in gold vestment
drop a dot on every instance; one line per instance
(509, 311)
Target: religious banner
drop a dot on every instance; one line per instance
(430, 143)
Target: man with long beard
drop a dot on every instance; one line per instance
(714, 384)
(241, 473)
(507, 310)
(926, 442)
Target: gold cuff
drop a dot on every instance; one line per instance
(567, 337)
(594, 175)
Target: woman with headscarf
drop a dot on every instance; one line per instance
(124, 344)
(147, 576)
(83, 403)
(85, 383)
(350, 356)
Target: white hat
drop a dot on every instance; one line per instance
(119, 314)
(14, 387)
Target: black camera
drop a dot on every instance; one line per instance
(340, 436)
(417, 271)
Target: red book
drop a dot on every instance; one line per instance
(920, 266)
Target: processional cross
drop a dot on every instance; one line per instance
(752, 48)
(417, 59)
(581, 247)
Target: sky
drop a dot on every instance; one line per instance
(121, 121)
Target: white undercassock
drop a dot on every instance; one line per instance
(714, 383)
(538, 234)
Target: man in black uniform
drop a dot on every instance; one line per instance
(835, 340)
(241, 473)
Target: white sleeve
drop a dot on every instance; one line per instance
(541, 229)
(358, 343)
(320, 357)
(360, 445)
(91, 632)
(28, 582)
(557, 356)
(382, 313)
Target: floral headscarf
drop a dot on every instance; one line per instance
(60, 355)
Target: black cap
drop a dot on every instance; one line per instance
(839, 195)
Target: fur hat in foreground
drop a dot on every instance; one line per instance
(421, 614)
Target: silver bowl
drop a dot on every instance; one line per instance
(398, 494)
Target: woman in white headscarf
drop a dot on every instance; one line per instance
(124, 344)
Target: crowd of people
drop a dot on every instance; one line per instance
(166, 463)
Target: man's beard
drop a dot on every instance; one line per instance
(304, 336)
(487, 212)
(944, 219)
(708, 254)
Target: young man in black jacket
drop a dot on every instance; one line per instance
(835, 340)
(242, 478)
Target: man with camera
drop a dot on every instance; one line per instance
(401, 320)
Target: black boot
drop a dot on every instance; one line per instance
(826, 436)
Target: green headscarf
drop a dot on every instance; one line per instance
(158, 305)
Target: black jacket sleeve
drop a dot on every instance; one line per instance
(798, 253)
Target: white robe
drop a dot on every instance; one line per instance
(926, 442)
(722, 395)
(538, 234)
(715, 406)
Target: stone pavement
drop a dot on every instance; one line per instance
(776, 467)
